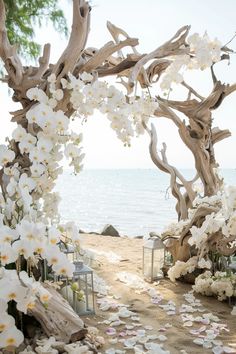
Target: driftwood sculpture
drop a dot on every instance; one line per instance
(133, 69)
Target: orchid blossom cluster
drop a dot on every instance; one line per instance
(222, 220)
(24, 290)
(29, 216)
(126, 114)
(221, 284)
(202, 53)
(29, 231)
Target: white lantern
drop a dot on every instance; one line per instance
(83, 277)
(78, 290)
(153, 259)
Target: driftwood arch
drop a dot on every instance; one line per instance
(146, 69)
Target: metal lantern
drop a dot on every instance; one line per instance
(78, 290)
(153, 258)
(83, 290)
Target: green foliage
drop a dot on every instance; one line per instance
(23, 15)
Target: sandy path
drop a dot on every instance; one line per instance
(178, 336)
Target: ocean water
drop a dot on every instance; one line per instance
(135, 201)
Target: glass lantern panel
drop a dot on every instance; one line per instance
(84, 297)
(148, 257)
(158, 263)
(168, 259)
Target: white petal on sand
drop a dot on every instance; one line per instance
(198, 341)
(218, 350)
(229, 350)
(162, 338)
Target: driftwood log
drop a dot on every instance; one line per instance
(58, 319)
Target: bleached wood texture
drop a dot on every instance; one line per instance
(58, 319)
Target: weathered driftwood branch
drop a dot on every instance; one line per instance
(116, 32)
(198, 136)
(179, 252)
(120, 68)
(197, 220)
(58, 319)
(184, 199)
(105, 52)
(218, 134)
(8, 52)
(155, 69)
(77, 41)
(192, 91)
(43, 62)
(175, 45)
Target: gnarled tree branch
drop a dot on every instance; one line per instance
(171, 47)
(184, 200)
(77, 41)
(8, 52)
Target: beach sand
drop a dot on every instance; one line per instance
(178, 337)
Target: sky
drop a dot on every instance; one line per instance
(153, 22)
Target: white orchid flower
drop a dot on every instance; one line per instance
(12, 337)
(6, 321)
(36, 94)
(19, 133)
(7, 235)
(7, 254)
(11, 290)
(30, 230)
(6, 155)
(37, 169)
(44, 144)
(64, 268)
(26, 182)
(12, 187)
(54, 235)
(24, 248)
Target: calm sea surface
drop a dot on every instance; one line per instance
(134, 201)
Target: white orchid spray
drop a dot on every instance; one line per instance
(222, 220)
(221, 284)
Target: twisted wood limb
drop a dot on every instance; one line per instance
(197, 220)
(171, 47)
(8, 52)
(105, 52)
(155, 69)
(192, 91)
(77, 41)
(43, 62)
(199, 136)
(120, 68)
(184, 200)
(219, 243)
(218, 134)
(58, 319)
(116, 32)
